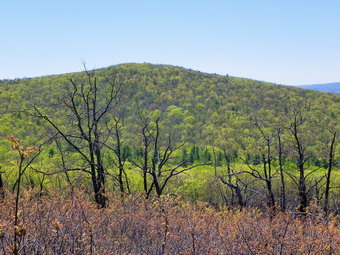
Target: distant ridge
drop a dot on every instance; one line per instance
(333, 87)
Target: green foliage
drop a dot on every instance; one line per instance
(210, 108)
(194, 155)
(206, 155)
(215, 115)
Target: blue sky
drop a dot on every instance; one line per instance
(286, 42)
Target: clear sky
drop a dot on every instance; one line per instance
(288, 42)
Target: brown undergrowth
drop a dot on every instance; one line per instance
(72, 224)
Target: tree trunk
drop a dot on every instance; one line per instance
(158, 188)
(120, 164)
(146, 141)
(303, 200)
(330, 167)
(282, 177)
(2, 190)
(227, 159)
(268, 180)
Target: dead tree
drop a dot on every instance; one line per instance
(120, 158)
(228, 180)
(238, 185)
(266, 174)
(143, 163)
(301, 160)
(331, 162)
(234, 187)
(282, 176)
(87, 107)
(267, 166)
(158, 154)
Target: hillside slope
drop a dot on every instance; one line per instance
(213, 109)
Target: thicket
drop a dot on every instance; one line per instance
(73, 224)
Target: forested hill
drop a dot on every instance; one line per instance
(212, 109)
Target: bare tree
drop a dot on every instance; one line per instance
(267, 173)
(282, 176)
(331, 163)
(234, 186)
(267, 165)
(158, 154)
(239, 185)
(143, 163)
(120, 157)
(302, 158)
(88, 105)
(230, 179)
